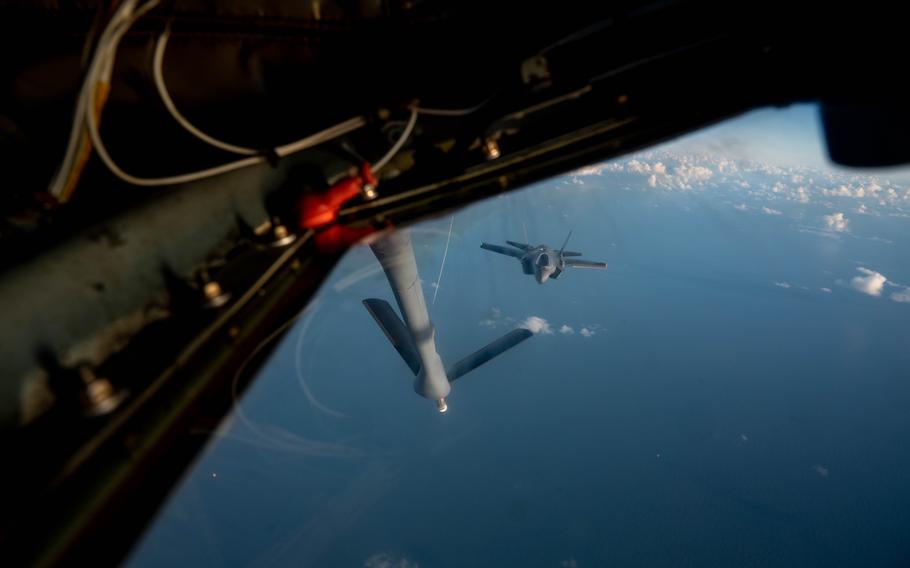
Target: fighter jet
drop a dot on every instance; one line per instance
(415, 337)
(542, 261)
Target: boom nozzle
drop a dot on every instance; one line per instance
(441, 405)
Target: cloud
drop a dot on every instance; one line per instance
(569, 563)
(536, 325)
(871, 283)
(684, 167)
(693, 173)
(821, 470)
(596, 169)
(836, 222)
(740, 207)
(769, 211)
(782, 284)
(638, 167)
(902, 297)
(384, 560)
(826, 290)
(495, 319)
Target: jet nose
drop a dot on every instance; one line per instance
(543, 274)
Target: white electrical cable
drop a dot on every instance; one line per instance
(100, 70)
(105, 61)
(118, 29)
(446, 111)
(158, 74)
(161, 85)
(121, 16)
(281, 151)
(339, 129)
(101, 66)
(59, 180)
(381, 162)
(453, 111)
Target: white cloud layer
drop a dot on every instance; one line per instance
(836, 222)
(536, 324)
(902, 297)
(769, 211)
(692, 174)
(678, 168)
(872, 283)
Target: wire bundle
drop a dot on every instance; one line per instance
(85, 134)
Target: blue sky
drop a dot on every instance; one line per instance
(787, 136)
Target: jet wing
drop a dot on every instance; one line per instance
(578, 263)
(503, 250)
(522, 246)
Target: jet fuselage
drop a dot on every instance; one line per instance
(543, 262)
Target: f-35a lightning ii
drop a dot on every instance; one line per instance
(542, 261)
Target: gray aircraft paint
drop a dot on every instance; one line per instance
(542, 261)
(415, 338)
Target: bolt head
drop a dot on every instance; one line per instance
(369, 192)
(490, 149)
(281, 236)
(215, 296)
(101, 397)
(211, 290)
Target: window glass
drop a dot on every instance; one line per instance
(733, 389)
